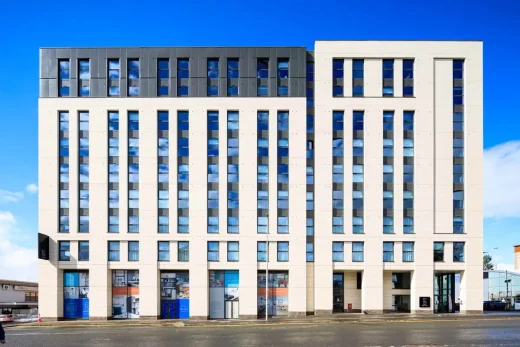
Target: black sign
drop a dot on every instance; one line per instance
(424, 301)
(43, 246)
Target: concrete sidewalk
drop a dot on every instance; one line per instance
(333, 318)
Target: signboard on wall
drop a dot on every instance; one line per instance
(43, 246)
(24, 288)
(424, 301)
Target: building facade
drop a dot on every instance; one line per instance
(170, 178)
(18, 297)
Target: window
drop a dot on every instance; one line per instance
(408, 225)
(213, 251)
(213, 76)
(232, 251)
(163, 171)
(133, 77)
(183, 171)
(388, 77)
(310, 252)
(183, 75)
(408, 252)
(64, 77)
(262, 69)
(458, 252)
(458, 74)
(133, 250)
(83, 221)
(232, 79)
(213, 171)
(401, 280)
(310, 226)
(64, 250)
(388, 251)
(357, 225)
(388, 225)
(163, 251)
(113, 250)
(183, 251)
(337, 251)
(337, 77)
(261, 251)
(163, 76)
(283, 77)
(358, 252)
(408, 78)
(83, 251)
(113, 77)
(310, 71)
(438, 251)
(283, 251)
(358, 66)
(337, 225)
(84, 77)
(64, 172)
(283, 172)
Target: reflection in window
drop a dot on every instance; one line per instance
(64, 77)
(113, 77)
(183, 75)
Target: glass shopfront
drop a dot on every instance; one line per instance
(223, 294)
(75, 295)
(125, 294)
(175, 295)
(338, 304)
(278, 302)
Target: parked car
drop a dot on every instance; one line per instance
(517, 305)
(6, 318)
(494, 306)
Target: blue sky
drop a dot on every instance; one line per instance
(27, 26)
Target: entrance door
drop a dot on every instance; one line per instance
(444, 293)
(338, 293)
(231, 310)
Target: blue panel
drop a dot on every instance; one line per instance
(71, 279)
(231, 279)
(183, 308)
(83, 308)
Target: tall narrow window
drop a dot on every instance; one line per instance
(408, 172)
(262, 171)
(183, 251)
(310, 252)
(310, 163)
(388, 172)
(358, 77)
(408, 252)
(133, 77)
(84, 77)
(113, 172)
(232, 172)
(133, 172)
(233, 74)
(357, 172)
(458, 252)
(213, 172)
(163, 77)
(133, 250)
(337, 164)
(338, 254)
(408, 79)
(163, 251)
(83, 172)
(83, 251)
(64, 77)
(458, 146)
(337, 77)
(232, 251)
(283, 77)
(213, 76)
(388, 251)
(213, 251)
(283, 251)
(113, 77)
(183, 179)
(113, 250)
(388, 77)
(64, 172)
(183, 77)
(163, 174)
(262, 70)
(261, 251)
(64, 247)
(310, 84)
(283, 172)
(358, 252)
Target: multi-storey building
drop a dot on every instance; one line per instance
(171, 177)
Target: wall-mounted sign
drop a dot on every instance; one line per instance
(25, 288)
(424, 301)
(5, 286)
(43, 246)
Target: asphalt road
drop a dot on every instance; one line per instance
(453, 333)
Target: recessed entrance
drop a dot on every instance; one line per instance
(444, 293)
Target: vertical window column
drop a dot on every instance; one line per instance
(338, 164)
(358, 77)
(133, 77)
(64, 172)
(458, 146)
(133, 172)
(213, 76)
(337, 77)
(113, 172)
(64, 77)
(163, 77)
(232, 172)
(262, 71)
(358, 172)
(183, 161)
(183, 77)
(388, 77)
(283, 77)
(388, 172)
(113, 77)
(408, 172)
(408, 77)
(310, 164)
(233, 74)
(262, 171)
(163, 171)
(83, 172)
(213, 170)
(84, 77)
(283, 172)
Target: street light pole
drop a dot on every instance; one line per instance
(267, 272)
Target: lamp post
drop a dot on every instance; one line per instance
(507, 281)
(267, 272)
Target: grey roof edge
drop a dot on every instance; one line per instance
(167, 47)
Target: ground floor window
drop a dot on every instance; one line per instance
(125, 294)
(175, 295)
(278, 299)
(75, 295)
(223, 294)
(401, 303)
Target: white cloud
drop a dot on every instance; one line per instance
(32, 188)
(17, 262)
(7, 196)
(508, 267)
(501, 180)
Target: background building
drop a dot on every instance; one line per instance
(500, 285)
(18, 298)
(517, 258)
(163, 170)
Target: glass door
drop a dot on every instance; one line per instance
(338, 293)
